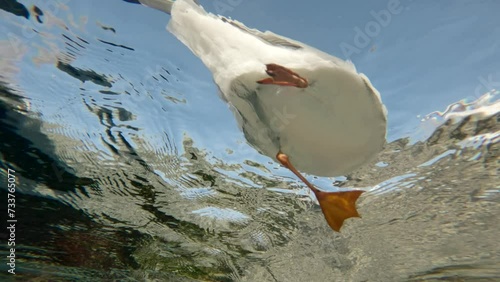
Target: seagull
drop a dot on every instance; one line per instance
(310, 111)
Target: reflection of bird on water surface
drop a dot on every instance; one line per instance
(309, 110)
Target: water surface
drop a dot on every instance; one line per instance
(129, 167)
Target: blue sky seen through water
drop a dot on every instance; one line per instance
(421, 55)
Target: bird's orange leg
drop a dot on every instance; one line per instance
(336, 206)
(283, 76)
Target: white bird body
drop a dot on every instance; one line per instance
(328, 129)
(313, 113)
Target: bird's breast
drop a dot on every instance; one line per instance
(327, 129)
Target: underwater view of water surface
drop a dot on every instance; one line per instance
(122, 161)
